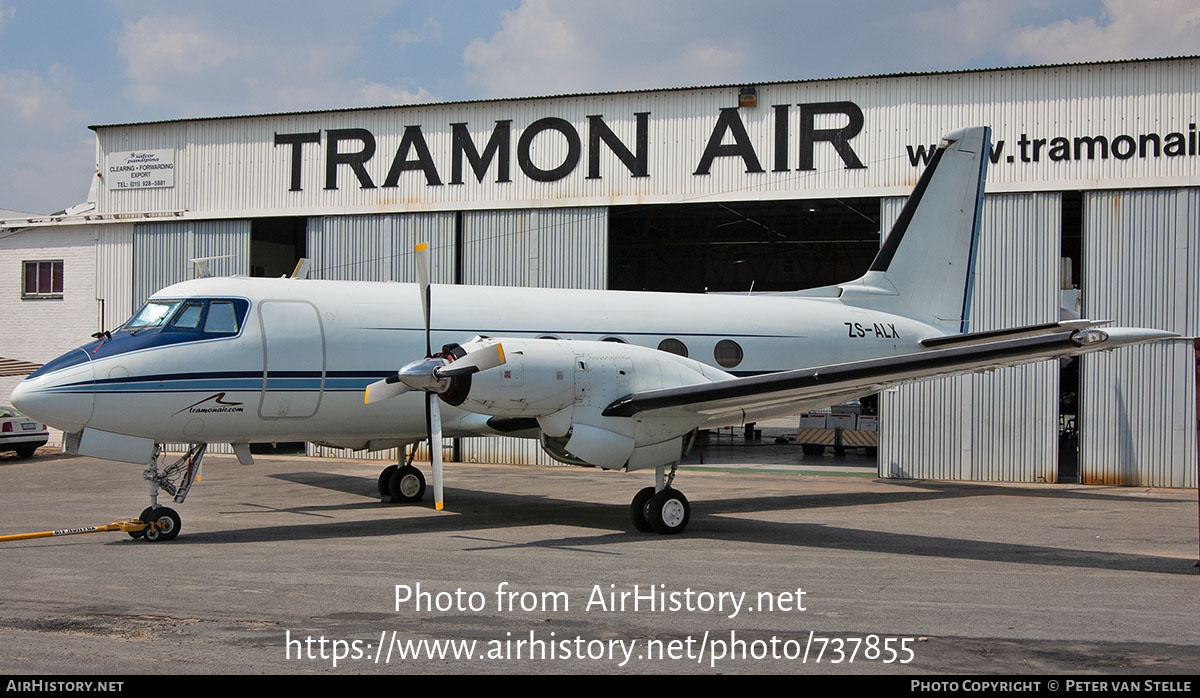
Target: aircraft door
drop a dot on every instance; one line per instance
(293, 359)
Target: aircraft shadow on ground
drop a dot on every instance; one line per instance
(475, 512)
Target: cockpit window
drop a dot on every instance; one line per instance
(153, 314)
(189, 317)
(221, 318)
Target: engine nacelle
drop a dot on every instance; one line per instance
(566, 384)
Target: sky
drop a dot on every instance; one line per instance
(69, 64)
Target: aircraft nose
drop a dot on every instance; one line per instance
(63, 399)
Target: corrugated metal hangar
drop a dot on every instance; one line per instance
(1093, 188)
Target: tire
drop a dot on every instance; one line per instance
(407, 484)
(637, 510)
(144, 517)
(385, 478)
(26, 451)
(668, 512)
(168, 521)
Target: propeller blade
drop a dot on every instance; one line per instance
(435, 446)
(475, 361)
(422, 253)
(381, 390)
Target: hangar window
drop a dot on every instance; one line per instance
(673, 346)
(43, 279)
(728, 353)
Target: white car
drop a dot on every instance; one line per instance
(20, 433)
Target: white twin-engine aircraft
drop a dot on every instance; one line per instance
(242, 360)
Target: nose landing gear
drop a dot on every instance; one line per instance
(163, 523)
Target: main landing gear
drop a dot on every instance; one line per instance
(661, 509)
(163, 523)
(402, 484)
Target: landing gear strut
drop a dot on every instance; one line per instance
(402, 483)
(661, 508)
(163, 523)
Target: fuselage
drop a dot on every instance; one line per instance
(301, 352)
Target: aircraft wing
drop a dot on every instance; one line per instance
(820, 386)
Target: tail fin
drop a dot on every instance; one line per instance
(926, 266)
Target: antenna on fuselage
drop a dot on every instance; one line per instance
(202, 267)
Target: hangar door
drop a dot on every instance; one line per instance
(162, 253)
(1137, 404)
(1000, 426)
(549, 248)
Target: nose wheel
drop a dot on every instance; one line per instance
(162, 525)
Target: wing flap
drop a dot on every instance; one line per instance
(816, 385)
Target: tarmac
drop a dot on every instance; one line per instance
(789, 564)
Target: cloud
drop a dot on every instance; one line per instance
(47, 164)
(162, 54)
(1126, 29)
(6, 13)
(197, 65)
(431, 30)
(544, 47)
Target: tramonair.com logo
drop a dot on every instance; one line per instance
(211, 405)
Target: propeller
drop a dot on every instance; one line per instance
(436, 374)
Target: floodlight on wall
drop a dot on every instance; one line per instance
(748, 97)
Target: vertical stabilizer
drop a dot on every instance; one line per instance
(924, 269)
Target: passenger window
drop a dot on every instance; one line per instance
(189, 317)
(673, 346)
(727, 353)
(221, 318)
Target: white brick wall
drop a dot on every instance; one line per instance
(41, 329)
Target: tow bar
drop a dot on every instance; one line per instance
(130, 526)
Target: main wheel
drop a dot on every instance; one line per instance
(385, 478)
(668, 511)
(637, 509)
(164, 525)
(407, 484)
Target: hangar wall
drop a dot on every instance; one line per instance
(1002, 425)
(1056, 128)
(38, 328)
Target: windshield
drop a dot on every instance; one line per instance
(153, 314)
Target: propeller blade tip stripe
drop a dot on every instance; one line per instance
(439, 506)
(421, 247)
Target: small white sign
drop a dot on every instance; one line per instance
(141, 169)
